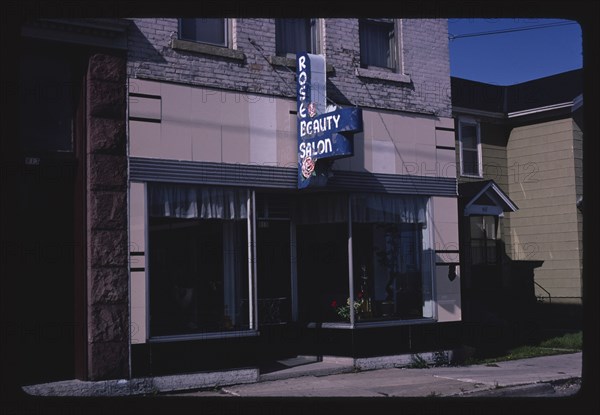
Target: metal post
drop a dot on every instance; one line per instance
(254, 277)
(293, 272)
(350, 265)
(250, 268)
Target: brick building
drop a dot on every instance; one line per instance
(194, 249)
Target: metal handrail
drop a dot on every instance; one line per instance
(545, 290)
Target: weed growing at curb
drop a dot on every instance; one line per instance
(417, 362)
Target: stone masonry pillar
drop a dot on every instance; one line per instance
(107, 277)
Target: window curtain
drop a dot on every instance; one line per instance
(197, 202)
(375, 44)
(383, 208)
(366, 208)
(320, 208)
(293, 35)
(234, 242)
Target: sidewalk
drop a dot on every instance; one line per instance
(306, 376)
(541, 376)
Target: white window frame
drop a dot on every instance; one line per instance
(227, 34)
(475, 123)
(395, 49)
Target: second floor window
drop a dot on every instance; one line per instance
(378, 43)
(211, 31)
(470, 149)
(296, 35)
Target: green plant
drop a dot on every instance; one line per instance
(417, 362)
(441, 358)
(344, 310)
(573, 341)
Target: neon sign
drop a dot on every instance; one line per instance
(323, 135)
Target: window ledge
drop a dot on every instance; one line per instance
(207, 49)
(291, 62)
(203, 336)
(387, 76)
(372, 324)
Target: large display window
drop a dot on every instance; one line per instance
(199, 268)
(337, 259)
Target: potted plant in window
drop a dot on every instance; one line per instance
(365, 308)
(388, 257)
(344, 310)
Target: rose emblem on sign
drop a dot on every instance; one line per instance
(308, 167)
(312, 109)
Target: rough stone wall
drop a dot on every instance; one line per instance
(425, 59)
(107, 288)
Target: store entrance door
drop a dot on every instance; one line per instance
(274, 287)
(273, 266)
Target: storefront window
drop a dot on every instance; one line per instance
(389, 251)
(198, 240)
(322, 255)
(391, 277)
(366, 255)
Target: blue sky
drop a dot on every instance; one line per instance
(510, 58)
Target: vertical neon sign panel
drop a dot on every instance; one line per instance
(322, 136)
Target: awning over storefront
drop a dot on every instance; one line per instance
(484, 198)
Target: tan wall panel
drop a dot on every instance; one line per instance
(446, 163)
(262, 119)
(383, 154)
(142, 86)
(139, 332)
(175, 140)
(448, 310)
(406, 159)
(176, 103)
(142, 107)
(206, 143)
(286, 134)
(424, 131)
(445, 235)
(447, 295)
(217, 126)
(378, 126)
(137, 243)
(445, 209)
(363, 154)
(235, 145)
(426, 158)
(208, 107)
(444, 122)
(137, 217)
(144, 139)
(444, 138)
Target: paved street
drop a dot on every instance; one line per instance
(527, 377)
